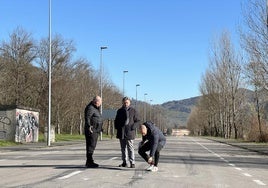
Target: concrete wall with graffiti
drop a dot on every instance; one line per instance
(5, 126)
(27, 123)
(19, 125)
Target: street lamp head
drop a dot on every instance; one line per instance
(137, 85)
(125, 71)
(103, 47)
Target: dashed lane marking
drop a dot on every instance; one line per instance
(69, 175)
(248, 175)
(113, 158)
(259, 182)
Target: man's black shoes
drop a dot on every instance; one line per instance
(92, 165)
(123, 165)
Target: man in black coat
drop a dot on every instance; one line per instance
(126, 122)
(153, 141)
(93, 126)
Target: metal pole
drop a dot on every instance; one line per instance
(124, 82)
(49, 79)
(145, 106)
(151, 110)
(136, 107)
(101, 72)
(101, 81)
(136, 95)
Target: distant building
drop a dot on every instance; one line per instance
(180, 132)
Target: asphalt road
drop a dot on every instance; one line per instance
(184, 162)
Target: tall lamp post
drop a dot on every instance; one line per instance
(137, 85)
(101, 80)
(49, 80)
(101, 72)
(151, 110)
(124, 72)
(145, 106)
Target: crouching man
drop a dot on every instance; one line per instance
(153, 141)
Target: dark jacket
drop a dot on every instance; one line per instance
(93, 118)
(154, 136)
(126, 131)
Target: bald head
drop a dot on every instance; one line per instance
(97, 101)
(143, 130)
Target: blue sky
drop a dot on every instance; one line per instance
(162, 44)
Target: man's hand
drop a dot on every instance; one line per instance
(150, 160)
(90, 129)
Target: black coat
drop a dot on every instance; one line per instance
(93, 118)
(126, 131)
(154, 136)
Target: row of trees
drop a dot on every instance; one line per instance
(24, 64)
(225, 109)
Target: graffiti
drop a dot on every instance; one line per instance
(5, 123)
(26, 126)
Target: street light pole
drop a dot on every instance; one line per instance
(124, 72)
(151, 110)
(101, 72)
(145, 106)
(137, 85)
(49, 80)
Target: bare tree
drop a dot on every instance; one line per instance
(220, 88)
(18, 73)
(254, 40)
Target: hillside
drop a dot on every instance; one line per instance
(180, 110)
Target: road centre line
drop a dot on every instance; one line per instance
(18, 157)
(248, 175)
(69, 175)
(113, 158)
(238, 169)
(259, 182)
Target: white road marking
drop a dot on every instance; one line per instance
(217, 155)
(248, 175)
(69, 175)
(238, 169)
(113, 158)
(259, 182)
(18, 157)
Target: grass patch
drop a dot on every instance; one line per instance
(68, 137)
(7, 143)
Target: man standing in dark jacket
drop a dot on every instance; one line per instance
(153, 140)
(93, 126)
(126, 122)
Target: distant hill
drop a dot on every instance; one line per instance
(179, 111)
